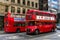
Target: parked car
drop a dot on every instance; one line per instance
(58, 26)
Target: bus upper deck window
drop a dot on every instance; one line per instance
(50, 15)
(44, 14)
(36, 13)
(6, 15)
(41, 14)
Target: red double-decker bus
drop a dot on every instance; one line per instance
(14, 23)
(40, 21)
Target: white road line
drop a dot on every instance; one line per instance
(2, 35)
(12, 37)
(6, 35)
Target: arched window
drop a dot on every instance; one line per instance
(12, 9)
(24, 11)
(18, 10)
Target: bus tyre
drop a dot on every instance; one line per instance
(18, 31)
(53, 30)
(27, 33)
(36, 32)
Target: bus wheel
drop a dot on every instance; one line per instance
(27, 33)
(53, 30)
(36, 32)
(18, 30)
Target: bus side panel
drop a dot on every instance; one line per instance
(22, 29)
(10, 29)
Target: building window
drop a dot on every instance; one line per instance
(7, 0)
(41, 7)
(23, 2)
(36, 5)
(23, 11)
(6, 8)
(18, 10)
(28, 3)
(13, 1)
(12, 9)
(32, 4)
(18, 1)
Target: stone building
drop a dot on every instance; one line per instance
(16, 7)
(43, 5)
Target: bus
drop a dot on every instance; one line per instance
(40, 21)
(14, 23)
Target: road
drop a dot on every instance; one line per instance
(23, 36)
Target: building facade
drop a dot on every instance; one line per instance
(18, 6)
(43, 5)
(58, 12)
(53, 6)
(59, 6)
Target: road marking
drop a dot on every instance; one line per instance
(2, 35)
(7, 35)
(13, 37)
(46, 39)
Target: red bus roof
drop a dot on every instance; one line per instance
(44, 12)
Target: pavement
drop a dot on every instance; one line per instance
(23, 36)
(1, 32)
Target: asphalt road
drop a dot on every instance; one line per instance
(23, 36)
